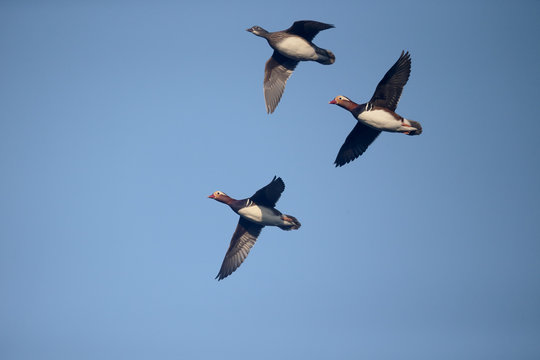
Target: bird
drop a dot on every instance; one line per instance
(378, 114)
(255, 212)
(290, 47)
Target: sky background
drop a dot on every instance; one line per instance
(118, 119)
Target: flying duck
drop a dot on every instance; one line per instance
(290, 46)
(378, 114)
(255, 213)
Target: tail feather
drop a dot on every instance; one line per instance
(295, 226)
(415, 124)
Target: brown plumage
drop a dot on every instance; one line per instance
(378, 114)
(290, 47)
(255, 213)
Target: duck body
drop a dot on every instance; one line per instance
(264, 216)
(385, 120)
(378, 117)
(378, 114)
(255, 212)
(290, 47)
(299, 49)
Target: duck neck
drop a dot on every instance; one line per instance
(262, 33)
(348, 104)
(226, 199)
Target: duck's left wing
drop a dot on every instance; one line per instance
(356, 143)
(308, 29)
(269, 195)
(388, 91)
(277, 71)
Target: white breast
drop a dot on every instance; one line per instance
(380, 119)
(261, 215)
(296, 48)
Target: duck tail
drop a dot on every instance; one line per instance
(295, 223)
(415, 124)
(326, 56)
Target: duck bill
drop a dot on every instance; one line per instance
(211, 196)
(333, 101)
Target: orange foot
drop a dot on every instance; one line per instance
(286, 218)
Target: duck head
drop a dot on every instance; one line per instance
(257, 30)
(220, 196)
(344, 102)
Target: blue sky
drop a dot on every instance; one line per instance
(118, 119)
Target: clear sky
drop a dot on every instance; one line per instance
(119, 118)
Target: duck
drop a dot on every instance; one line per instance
(378, 114)
(255, 212)
(290, 47)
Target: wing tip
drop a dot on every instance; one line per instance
(279, 179)
(405, 56)
(220, 277)
(341, 163)
(222, 274)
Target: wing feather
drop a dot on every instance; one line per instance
(356, 143)
(242, 241)
(269, 195)
(388, 91)
(308, 29)
(277, 71)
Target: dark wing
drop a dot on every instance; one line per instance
(269, 195)
(276, 73)
(389, 89)
(307, 28)
(356, 143)
(242, 241)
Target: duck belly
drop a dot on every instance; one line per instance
(381, 120)
(262, 215)
(297, 48)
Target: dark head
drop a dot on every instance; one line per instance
(257, 30)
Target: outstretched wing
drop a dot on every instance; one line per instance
(269, 195)
(242, 241)
(356, 143)
(277, 71)
(307, 28)
(389, 89)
